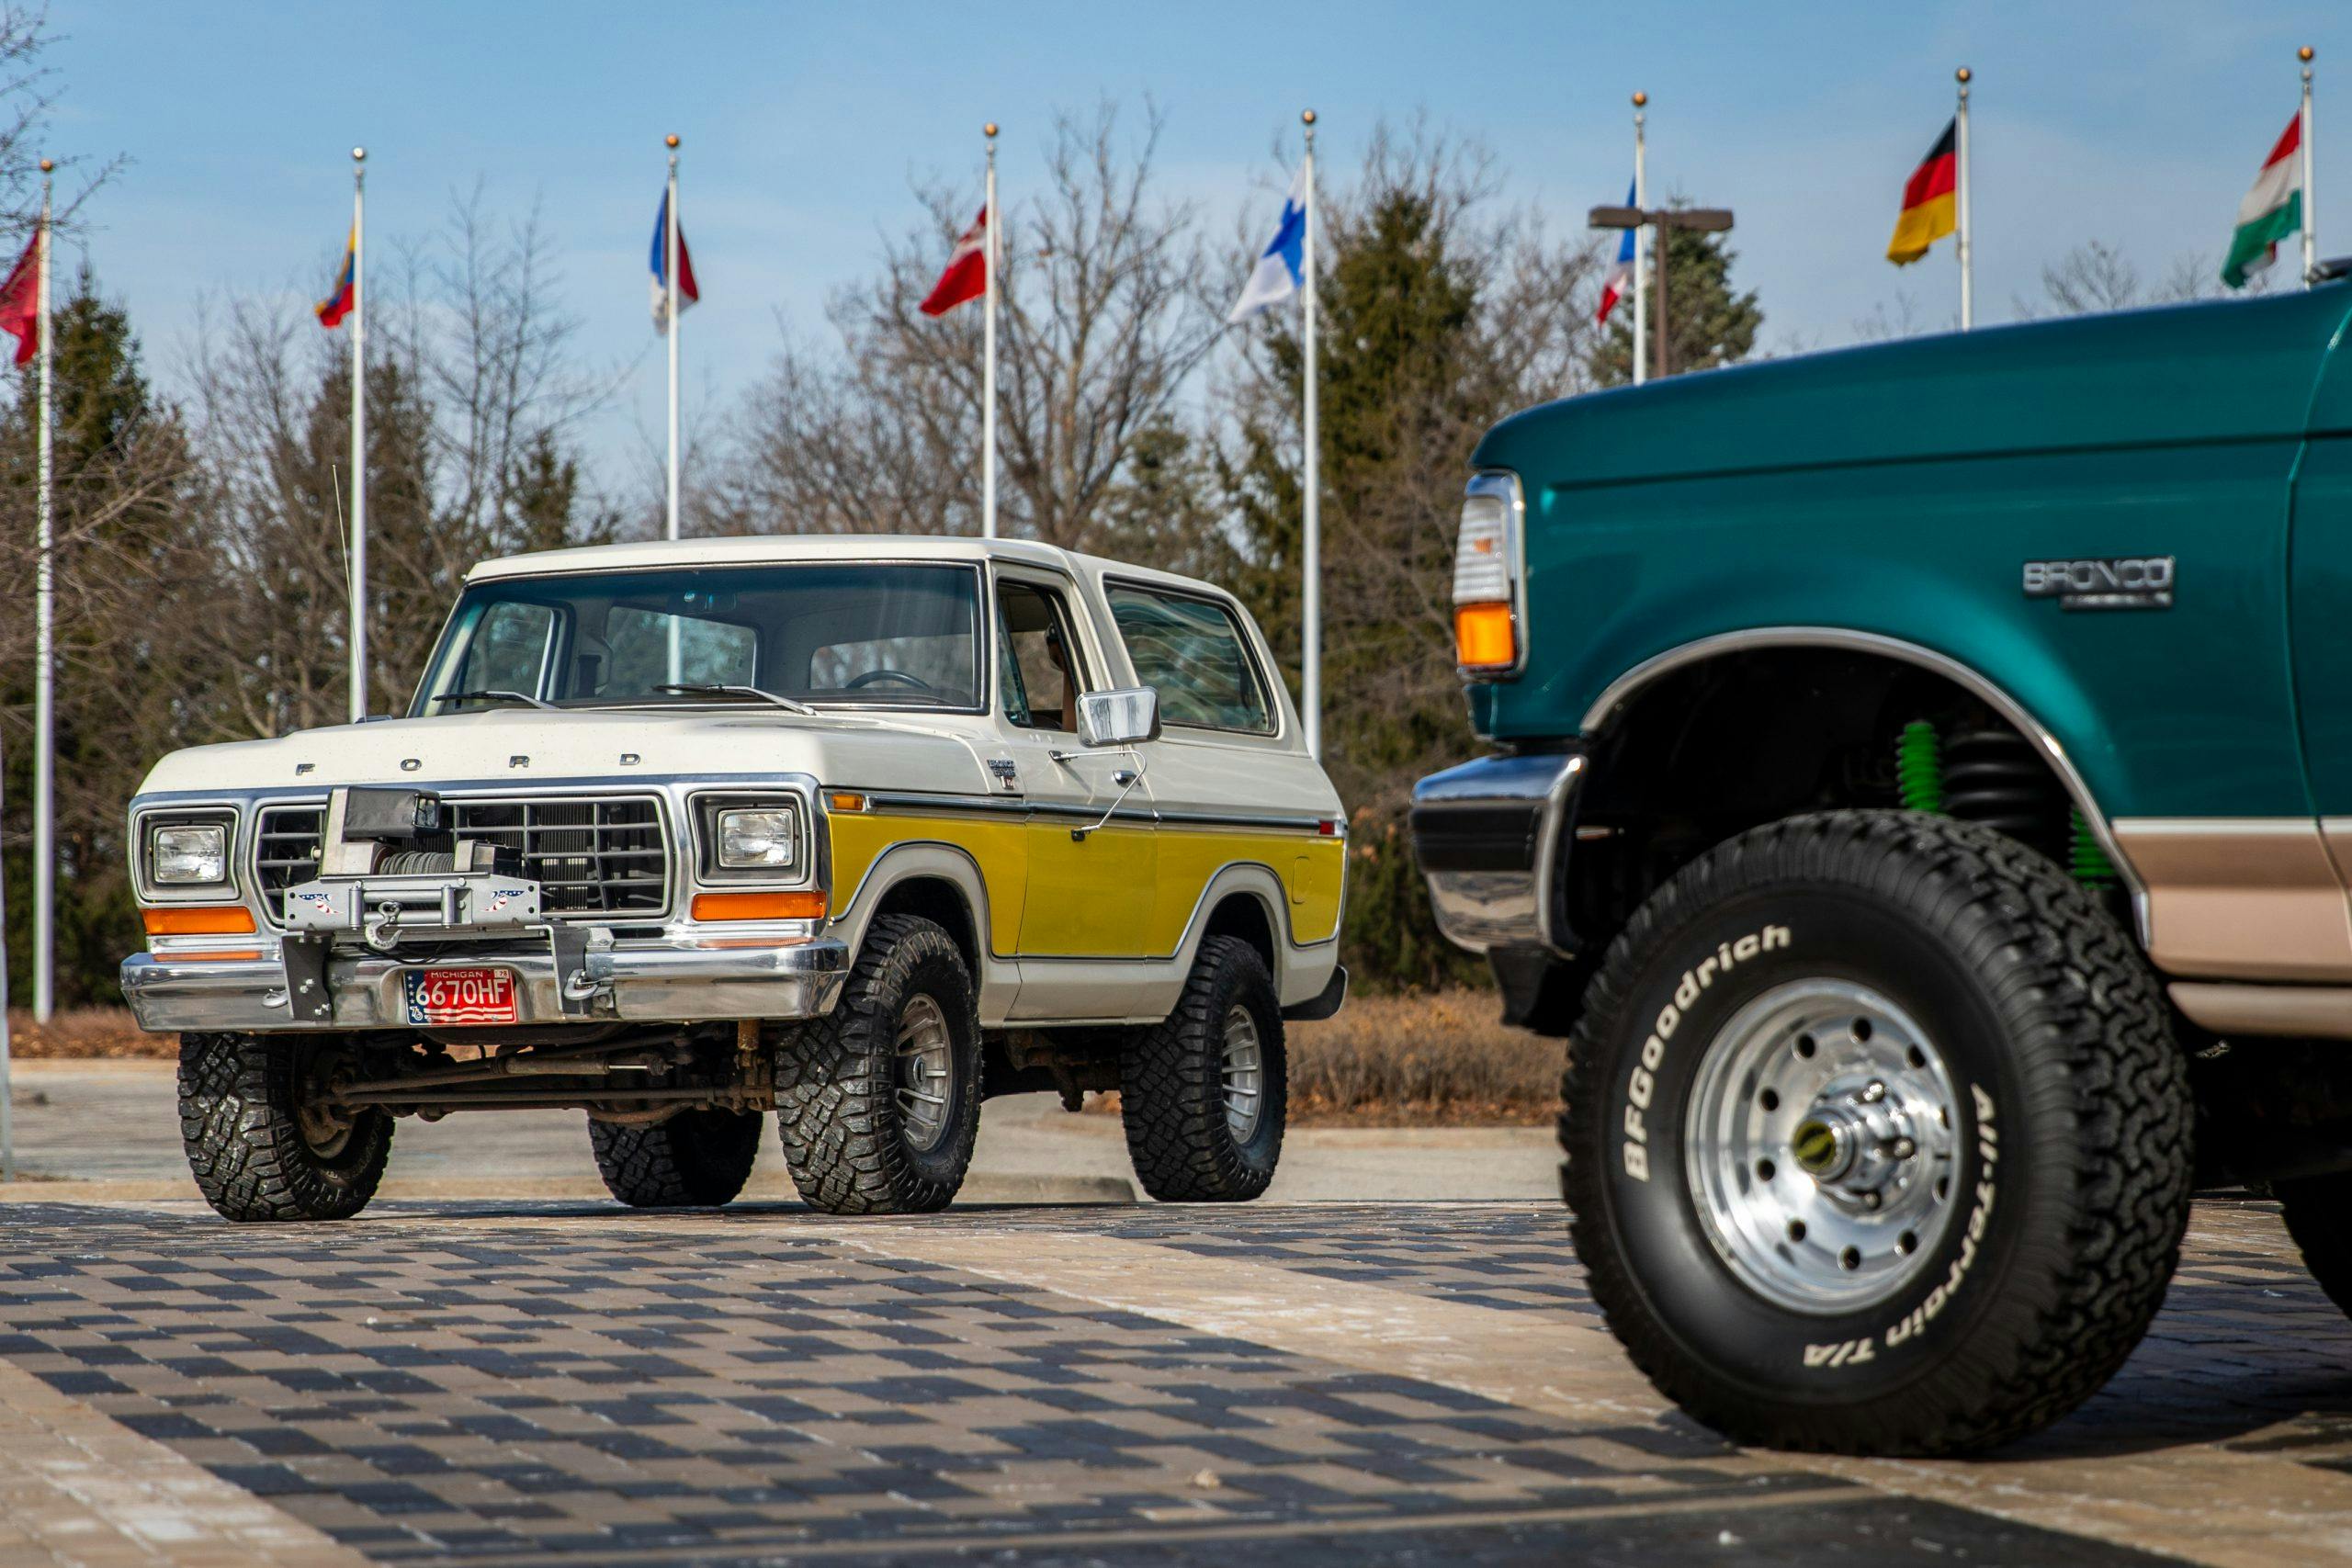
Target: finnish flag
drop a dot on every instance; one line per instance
(1283, 264)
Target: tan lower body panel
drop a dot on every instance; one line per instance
(2245, 898)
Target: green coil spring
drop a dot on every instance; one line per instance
(2086, 859)
(1919, 768)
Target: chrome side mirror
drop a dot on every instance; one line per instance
(1123, 717)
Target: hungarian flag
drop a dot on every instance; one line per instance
(1928, 200)
(2271, 210)
(337, 305)
(20, 301)
(688, 293)
(967, 276)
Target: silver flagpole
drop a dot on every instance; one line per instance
(1311, 556)
(1967, 255)
(669, 283)
(358, 434)
(8, 1122)
(2303, 135)
(1641, 241)
(988, 351)
(45, 658)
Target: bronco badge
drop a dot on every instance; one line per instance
(2103, 583)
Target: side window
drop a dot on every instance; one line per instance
(1192, 650)
(715, 653)
(1038, 662)
(509, 650)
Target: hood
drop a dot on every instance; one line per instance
(510, 747)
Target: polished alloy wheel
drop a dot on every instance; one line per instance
(1820, 1145)
(926, 1056)
(1244, 1072)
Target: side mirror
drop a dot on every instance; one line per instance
(1123, 718)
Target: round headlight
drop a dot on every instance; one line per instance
(189, 855)
(765, 838)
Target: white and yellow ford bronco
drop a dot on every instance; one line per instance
(858, 829)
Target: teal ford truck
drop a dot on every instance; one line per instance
(1921, 793)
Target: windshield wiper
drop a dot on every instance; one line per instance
(524, 698)
(703, 689)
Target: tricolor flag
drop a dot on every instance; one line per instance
(1282, 263)
(1928, 200)
(337, 305)
(20, 301)
(967, 276)
(687, 292)
(1613, 288)
(2271, 210)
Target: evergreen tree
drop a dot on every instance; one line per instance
(1708, 324)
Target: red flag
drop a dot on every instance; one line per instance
(967, 276)
(20, 301)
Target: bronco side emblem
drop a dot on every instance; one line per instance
(2103, 583)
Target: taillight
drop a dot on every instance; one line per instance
(1488, 633)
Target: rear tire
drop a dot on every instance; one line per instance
(879, 1102)
(697, 1159)
(2315, 1210)
(1205, 1095)
(1878, 1139)
(261, 1143)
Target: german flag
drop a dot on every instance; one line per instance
(1927, 200)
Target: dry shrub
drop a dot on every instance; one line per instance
(82, 1033)
(1441, 1057)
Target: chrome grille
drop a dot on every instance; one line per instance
(591, 855)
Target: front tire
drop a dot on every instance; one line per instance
(697, 1159)
(879, 1102)
(262, 1141)
(1878, 1140)
(1205, 1095)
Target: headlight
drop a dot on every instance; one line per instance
(764, 838)
(189, 855)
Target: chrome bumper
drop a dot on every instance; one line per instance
(651, 984)
(1487, 835)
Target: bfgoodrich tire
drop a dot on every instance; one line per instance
(879, 1102)
(1877, 1137)
(697, 1158)
(1203, 1095)
(262, 1142)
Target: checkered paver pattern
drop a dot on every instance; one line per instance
(501, 1384)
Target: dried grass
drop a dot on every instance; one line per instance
(83, 1034)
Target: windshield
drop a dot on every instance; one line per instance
(869, 635)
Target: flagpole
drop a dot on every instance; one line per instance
(358, 682)
(670, 286)
(1641, 243)
(1967, 257)
(1311, 556)
(45, 659)
(7, 1108)
(2303, 134)
(988, 353)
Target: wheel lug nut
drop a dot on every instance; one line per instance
(1902, 1148)
(1871, 1200)
(1873, 1092)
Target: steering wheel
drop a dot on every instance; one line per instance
(859, 682)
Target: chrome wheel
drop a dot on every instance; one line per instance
(1819, 1147)
(926, 1058)
(1244, 1072)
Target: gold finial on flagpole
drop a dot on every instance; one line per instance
(1963, 75)
(46, 165)
(1640, 100)
(1306, 116)
(988, 130)
(2304, 54)
(671, 141)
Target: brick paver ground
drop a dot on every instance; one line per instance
(502, 1383)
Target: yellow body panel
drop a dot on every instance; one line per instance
(1124, 893)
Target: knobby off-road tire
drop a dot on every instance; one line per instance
(259, 1145)
(859, 1136)
(1982, 976)
(698, 1159)
(1203, 1095)
(2317, 1215)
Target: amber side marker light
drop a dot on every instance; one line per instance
(846, 800)
(200, 919)
(1483, 638)
(218, 955)
(759, 907)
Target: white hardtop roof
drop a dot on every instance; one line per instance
(751, 550)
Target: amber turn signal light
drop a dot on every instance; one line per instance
(1483, 638)
(200, 919)
(759, 907)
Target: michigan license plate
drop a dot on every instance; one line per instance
(460, 996)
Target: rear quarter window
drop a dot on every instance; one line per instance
(1194, 651)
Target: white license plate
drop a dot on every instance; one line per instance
(460, 996)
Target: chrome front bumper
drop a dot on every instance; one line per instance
(663, 983)
(1488, 837)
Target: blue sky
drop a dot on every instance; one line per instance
(2139, 122)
